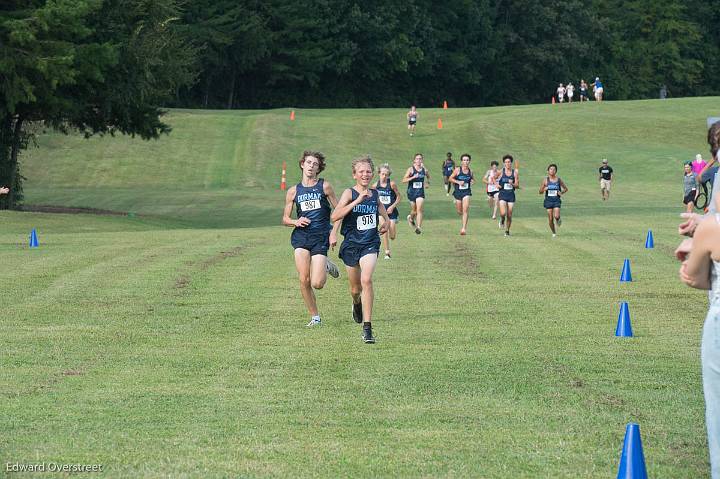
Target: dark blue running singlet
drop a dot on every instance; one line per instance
(416, 187)
(465, 178)
(360, 226)
(448, 167)
(311, 202)
(386, 194)
(553, 189)
(507, 183)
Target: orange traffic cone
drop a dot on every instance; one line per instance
(445, 105)
(283, 184)
(553, 100)
(292, 113)
(439, 124)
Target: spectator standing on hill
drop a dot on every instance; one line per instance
(598, 89)
(606, 177)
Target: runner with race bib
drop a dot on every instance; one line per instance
(492, 187)
(417, 178)
(313, 234)
(509, 182)
(553, 188)
(463, 179)
(359, 208)
(390, 198)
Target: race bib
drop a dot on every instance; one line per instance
(309, 205)
(384, 200)
(366, 222)
(464, 186)
(492, 188)
(417, 185)
(508, 186)
(552, 193)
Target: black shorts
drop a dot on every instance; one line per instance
(551, 203)
(492, 193)
(413, 194)
(460, 194)
(507, 196)
(690, 197)
(316, 243)
(350, 253)
(412, 122)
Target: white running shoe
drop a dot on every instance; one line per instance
(554, 235)
(411, 221)
(314, 322)
(332, 269)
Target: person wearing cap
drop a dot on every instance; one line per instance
(606, 176)
(598, 89)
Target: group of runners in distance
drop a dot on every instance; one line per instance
(368, 211)
(568, 91)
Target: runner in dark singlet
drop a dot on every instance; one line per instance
(313, 233)
(359, 208)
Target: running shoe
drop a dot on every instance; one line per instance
(314, 322)
(332, 268)
(411, 221)
(417, 230)
(554, 235)
(367, 336)
(357, 312)
(462, 232)
(387, 255)
(507, 233)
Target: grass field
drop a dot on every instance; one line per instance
(172, 343)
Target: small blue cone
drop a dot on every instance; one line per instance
(632, 460)
(33, 239)
(626, 275)
(624, 328)
(649, 243)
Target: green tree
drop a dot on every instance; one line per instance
(96, 66)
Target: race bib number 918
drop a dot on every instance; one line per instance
(366, 222)
(309, 205)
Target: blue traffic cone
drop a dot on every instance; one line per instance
(632, 460)
(626, 275)
(33, 239)
(649, 243)
(624, 328)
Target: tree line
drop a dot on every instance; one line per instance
(331, 53)
(111, 66)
